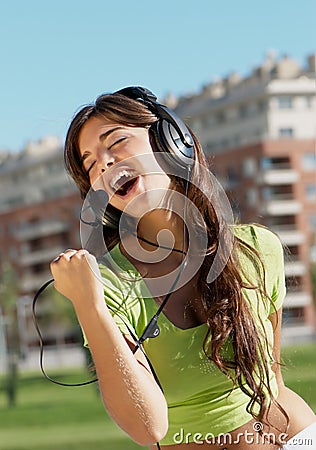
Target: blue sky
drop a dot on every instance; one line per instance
(58, 55)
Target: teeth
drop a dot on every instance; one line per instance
(115, 182)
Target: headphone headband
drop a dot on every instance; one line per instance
(137, 93)
(144, 95)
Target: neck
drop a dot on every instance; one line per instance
(161, 228)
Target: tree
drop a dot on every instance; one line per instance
(313, 280)
(8, 296)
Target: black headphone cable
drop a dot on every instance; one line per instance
(85, 383)
(151, 330)
(41, 343)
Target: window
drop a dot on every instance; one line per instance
(266, 193)
(252, 197)
(231, 113)
(25, 248)
(313, 253)
(13, 252)
(286, 132)
(39, 268)
(210, 121)
(243, 111)
(232, 174)
(220, 117)
(54, 167)
(309, 101)
(196, 124)
(310, 190)
(35, 244)
(209, 147)
(275, 163)
(293, 316)
(262, 105)
(249, 167)
(309, 161)
(285, 102)
(312, 221)
(265, 163)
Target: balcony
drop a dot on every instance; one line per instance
(41, 229)
(30, 283)
(280, 174)
(294, 333)
(288, 234)
(40, 256)
(297, 299)
(282, 205)
(294, 268)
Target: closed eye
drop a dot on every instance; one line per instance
(116, 142)
(90, 167)
(85, 157)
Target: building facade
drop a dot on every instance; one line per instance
(258, 133)
(39, 218)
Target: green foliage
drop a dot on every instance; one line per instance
(56, 316)
(57, 307)
(9, 295)
(313, 281)
(8, 289)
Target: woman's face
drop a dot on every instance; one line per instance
(120, 160)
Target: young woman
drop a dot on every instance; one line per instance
(212, 374)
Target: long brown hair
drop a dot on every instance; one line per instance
(228, 313)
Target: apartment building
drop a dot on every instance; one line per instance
(258, 132)
(39, 218)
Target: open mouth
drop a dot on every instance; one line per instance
(127, 187)
(124, 182)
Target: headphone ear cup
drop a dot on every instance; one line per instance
(169, 148)
(111, 217)
(105, 213)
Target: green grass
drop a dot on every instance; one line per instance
(299, 371)
(50, 417)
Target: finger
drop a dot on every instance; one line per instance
(77, 254)
(82, 252)
(55, 260)
(68, 254)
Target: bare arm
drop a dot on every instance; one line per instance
(300, 414)
(276, 319)
(129, 391)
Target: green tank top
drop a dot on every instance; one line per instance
(202, 401)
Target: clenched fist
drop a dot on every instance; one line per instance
(77, 276)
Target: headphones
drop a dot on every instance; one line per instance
(171, 142)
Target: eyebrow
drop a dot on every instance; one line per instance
(101, 138)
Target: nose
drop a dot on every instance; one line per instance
(105, 162)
